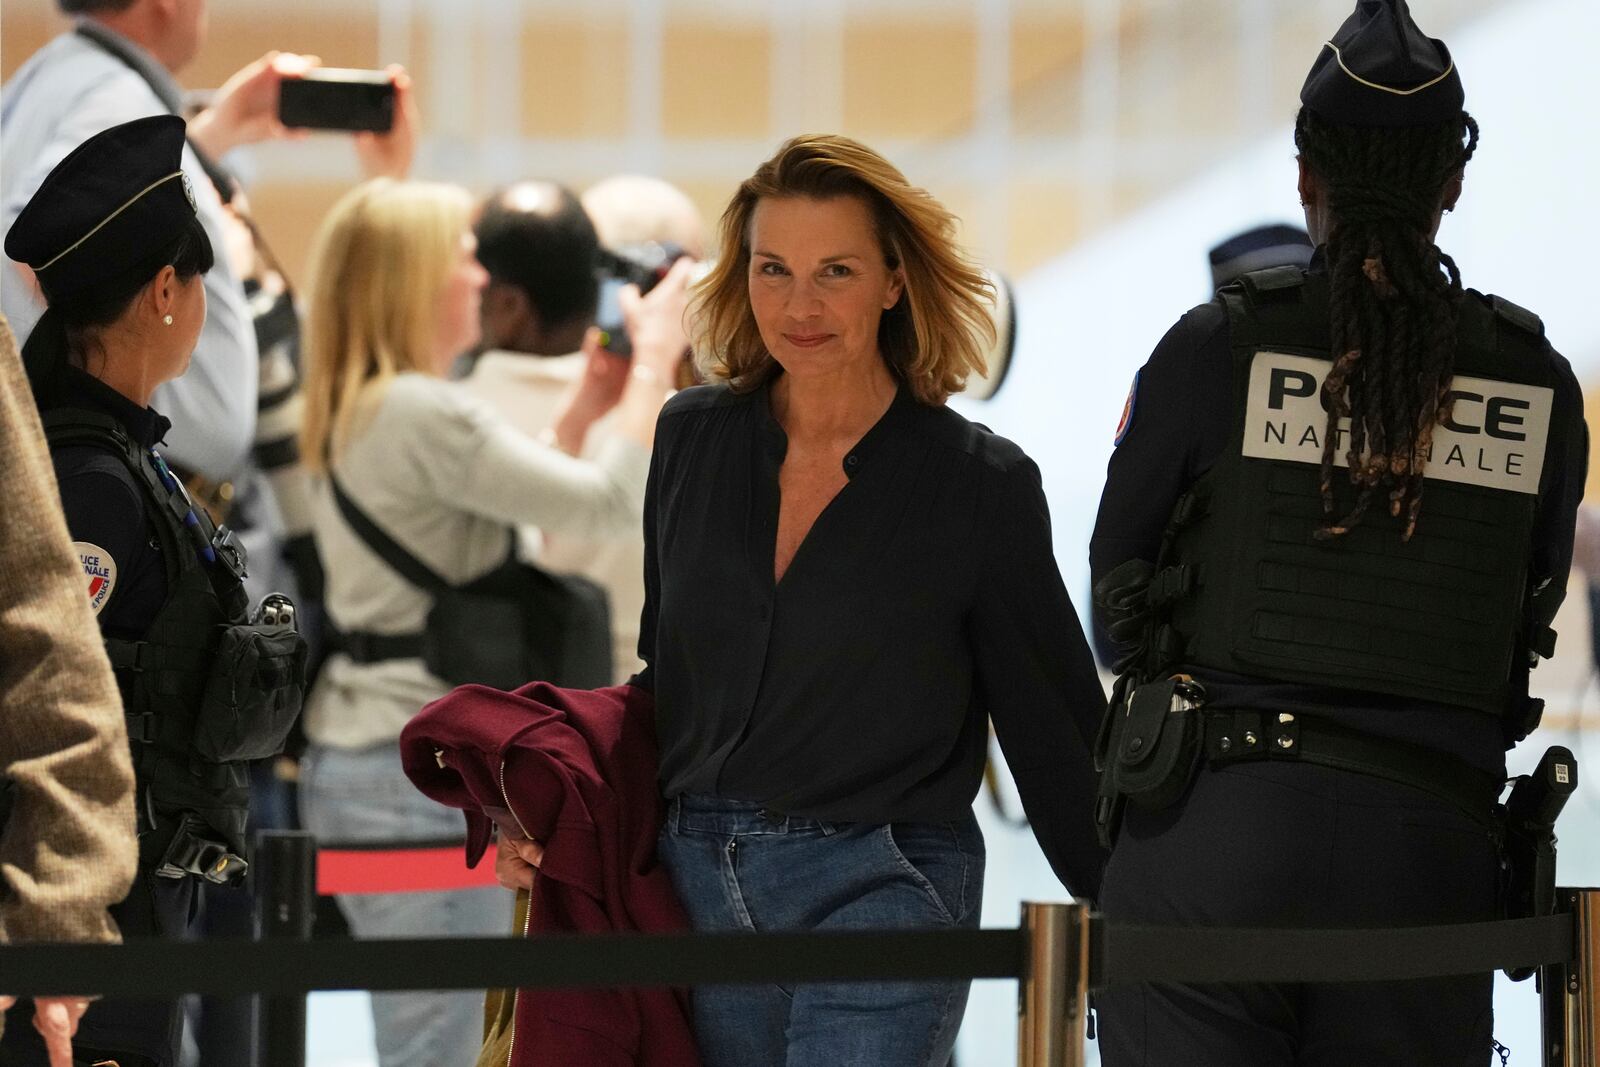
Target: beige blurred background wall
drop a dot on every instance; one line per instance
(1036, 121)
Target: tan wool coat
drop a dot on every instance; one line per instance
(68, 850)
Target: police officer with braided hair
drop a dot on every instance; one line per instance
(1333, 536)
(113, 240)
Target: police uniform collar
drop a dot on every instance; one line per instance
(1380, 69)
(80, 389)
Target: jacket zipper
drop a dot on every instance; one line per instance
(527, 919)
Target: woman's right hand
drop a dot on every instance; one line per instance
(655, 321)
(516, 860)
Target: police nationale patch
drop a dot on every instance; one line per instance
(100, 570)
(1493, 437)
(1126, 422)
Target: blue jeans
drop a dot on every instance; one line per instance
(738, 868)
(362, 796)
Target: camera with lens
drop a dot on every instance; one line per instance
(643, 264)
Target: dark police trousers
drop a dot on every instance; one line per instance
(1299, 845)
(133, 1032)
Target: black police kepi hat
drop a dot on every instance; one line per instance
(117, 202)
(1381, 70)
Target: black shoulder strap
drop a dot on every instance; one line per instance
(1518, 316)
(77, 426)
(387, 548)
(1279, 306)
(71, 424)
(1273, 280)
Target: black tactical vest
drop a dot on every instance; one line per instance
(1441, 617)
(181, 683)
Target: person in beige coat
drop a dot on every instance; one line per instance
(67, 846)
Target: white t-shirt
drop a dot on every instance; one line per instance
(527, 390)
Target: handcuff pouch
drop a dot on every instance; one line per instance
(1158, 747)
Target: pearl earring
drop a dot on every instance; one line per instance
(167, 320)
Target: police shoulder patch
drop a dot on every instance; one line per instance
(1126, 422)
(100, 570)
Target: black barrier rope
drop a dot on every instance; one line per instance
(230, 968)
(1123, 953)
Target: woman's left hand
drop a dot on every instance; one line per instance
(516, 860)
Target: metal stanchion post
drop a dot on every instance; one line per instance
(1052, 1001)
(286, 865)
(1570, 993)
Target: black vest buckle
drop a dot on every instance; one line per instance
(230, 553)
(1185, 511)
(141, 727)
(1169, 584)
(1543, 644)
(127, 655)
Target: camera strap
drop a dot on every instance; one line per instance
(166, 89)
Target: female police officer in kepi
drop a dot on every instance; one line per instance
(1356, 485)
(113, 240)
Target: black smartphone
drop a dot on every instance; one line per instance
(329, 98)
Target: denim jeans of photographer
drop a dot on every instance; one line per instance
(737, 868)
(362, 796)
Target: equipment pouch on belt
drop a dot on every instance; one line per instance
(254, 691)
(1158, 746)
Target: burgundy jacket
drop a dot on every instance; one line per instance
(576, 770)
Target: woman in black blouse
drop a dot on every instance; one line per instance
(845, 581)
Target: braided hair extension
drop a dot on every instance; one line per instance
(1393, 300)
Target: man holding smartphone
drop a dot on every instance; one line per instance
(117, 64)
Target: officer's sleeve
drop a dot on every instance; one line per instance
(1176, 423)
(1565, 472)
(68, 848)
(1037, 681)
(106, 518)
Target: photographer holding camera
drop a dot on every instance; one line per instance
(542, 249)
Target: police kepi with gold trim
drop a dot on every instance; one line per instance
(1380, 69)
(115, 203)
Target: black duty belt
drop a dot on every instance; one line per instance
(376, 648)
(1248, 736)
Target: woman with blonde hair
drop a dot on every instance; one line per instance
(845, 579)
(395, 300)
